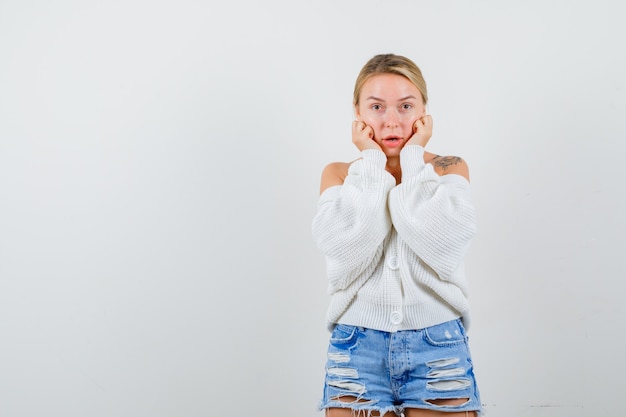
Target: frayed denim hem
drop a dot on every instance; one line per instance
(361, 408)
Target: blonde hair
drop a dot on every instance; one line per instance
(390, 64)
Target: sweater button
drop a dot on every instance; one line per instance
(396, 317)
(392, 262)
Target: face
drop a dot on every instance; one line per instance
(390, 104)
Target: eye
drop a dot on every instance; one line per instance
(407, 106)
(376, 107)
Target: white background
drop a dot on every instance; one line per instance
(159, 171)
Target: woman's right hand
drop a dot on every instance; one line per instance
(363, 136)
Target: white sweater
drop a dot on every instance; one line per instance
(394, 253)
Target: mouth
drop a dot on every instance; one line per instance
(392, 141)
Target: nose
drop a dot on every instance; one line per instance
(391, 119)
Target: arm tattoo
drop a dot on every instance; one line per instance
(445, 162)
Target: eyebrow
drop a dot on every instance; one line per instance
(402, 99)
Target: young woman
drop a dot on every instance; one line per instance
(394, 226)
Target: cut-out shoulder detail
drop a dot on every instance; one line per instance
(334, 174)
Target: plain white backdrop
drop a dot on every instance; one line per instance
(159, 171)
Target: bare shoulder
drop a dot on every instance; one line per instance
(445, 165)
(334, 174)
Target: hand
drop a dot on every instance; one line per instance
(422, 131)
(363, 136)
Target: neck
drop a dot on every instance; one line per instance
(393, 167)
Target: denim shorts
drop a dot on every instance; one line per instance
(381, 371)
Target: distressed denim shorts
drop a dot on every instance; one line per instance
(380, 371)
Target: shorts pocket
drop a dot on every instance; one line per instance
(448, 333)
(344, 336)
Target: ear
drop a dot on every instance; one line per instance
(357, 114)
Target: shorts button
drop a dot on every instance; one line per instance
(396, 317)
(392, 262)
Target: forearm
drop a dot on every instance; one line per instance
(352, 219)
(434, 215)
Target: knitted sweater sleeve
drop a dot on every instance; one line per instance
(433, 214)
(352, 220)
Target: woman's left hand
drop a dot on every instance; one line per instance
(422, 131)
